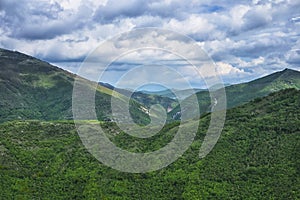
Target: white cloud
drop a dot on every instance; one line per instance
(195, 26)
(254, 36)
(227, 69)
(236, 15)
(249, 64)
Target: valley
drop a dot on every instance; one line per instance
(42, 155)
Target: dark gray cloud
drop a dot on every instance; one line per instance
(261, 46)
(293, 57)
(120, 9)
(38, 20)
(257, 36)
(77, 40)
(256, 19)
(121, 66)
(116, 10)
(57, 58)
(13, 14)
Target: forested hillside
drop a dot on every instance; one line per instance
(242, 93)
(257, 157)
(34, 89)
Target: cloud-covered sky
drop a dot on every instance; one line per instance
(246, 39)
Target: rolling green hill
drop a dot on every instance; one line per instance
(256, 157)
(242, 93)
(33, 89)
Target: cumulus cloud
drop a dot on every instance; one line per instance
(37, 20)
(294, 56)
(195, 26)
(112, 10)
(245, 38)
(169, 9)
(257, 17)
(227, 69)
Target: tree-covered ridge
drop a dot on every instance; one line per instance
(34, 89)
(242, 93)
(257, 157)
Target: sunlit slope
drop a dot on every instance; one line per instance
(245, 92)
(33, 89)
(257, 157)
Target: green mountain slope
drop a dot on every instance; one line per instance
(33, 89)
(242, 93)
(245, 92)
(145, 99)
(151, 99)
(256, 157)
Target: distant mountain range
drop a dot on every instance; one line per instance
(34, 89)
(42, 157)
(146, 98)
(236, 94)
(182, 94)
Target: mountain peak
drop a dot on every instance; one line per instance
(289, 74)
(287, 70)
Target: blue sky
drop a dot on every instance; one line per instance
(246, 39)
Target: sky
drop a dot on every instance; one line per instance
(245, 39)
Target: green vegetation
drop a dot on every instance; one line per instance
(151, 99)
(147, 99)
(257, 157)
(33, 89)
(42, 157)
(242, 93)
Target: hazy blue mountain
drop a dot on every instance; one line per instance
(182, 94)
(146, 98)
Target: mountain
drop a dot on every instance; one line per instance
(144, 98)
(34, 89)
(151, 99)
(166, 98)
(107, 85)
(242, 93)
(182, 94)
(256, 157)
